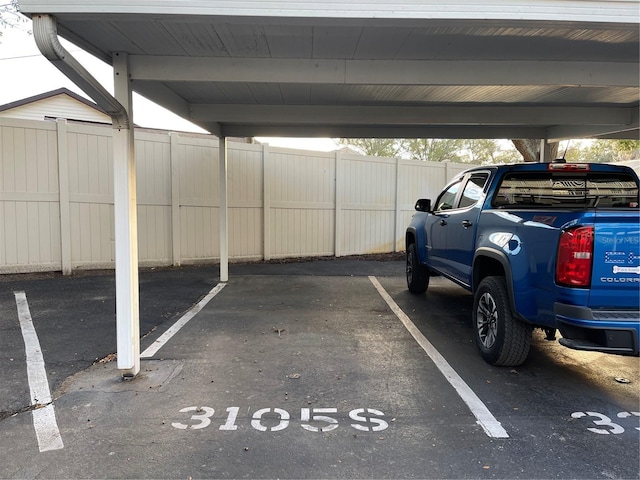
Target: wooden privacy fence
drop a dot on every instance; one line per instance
(56, 199)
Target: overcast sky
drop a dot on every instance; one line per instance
(24, 72)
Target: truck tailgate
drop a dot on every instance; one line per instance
(615, 280)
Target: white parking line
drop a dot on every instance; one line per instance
(166, 336)
(484, 417)
(44, 416)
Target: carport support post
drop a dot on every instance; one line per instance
(224, 219)
(126, 228)
(545, 151)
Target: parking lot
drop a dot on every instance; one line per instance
(326, 369)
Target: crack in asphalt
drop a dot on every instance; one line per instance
(4, 414)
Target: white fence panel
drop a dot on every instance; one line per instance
(454, 169)
(245, 174)
(29, 213)
(367, 204)
(199, 205)
(90, 174)
(153, 183)
(416, 180)
(301, 202)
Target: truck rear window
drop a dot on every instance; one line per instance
(566, 190)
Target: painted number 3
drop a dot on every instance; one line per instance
(601, 420)
(276, 419)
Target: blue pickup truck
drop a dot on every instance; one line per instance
(543, 245)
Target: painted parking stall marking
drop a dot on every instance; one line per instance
(44, 417)
(492, 427)
(175, 328)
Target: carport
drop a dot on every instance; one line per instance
(543, 69)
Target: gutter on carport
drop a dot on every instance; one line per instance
(45, 32)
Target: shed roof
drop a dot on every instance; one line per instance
(50, 94)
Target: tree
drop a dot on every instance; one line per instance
(608, 151)
(599, 151)
(488, 151)
(433, 149)
(425, 149)
(375, 147)
(530, 149)
(627, 148)
(10, 16)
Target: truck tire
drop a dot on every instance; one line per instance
(502, 339)
(417, 274)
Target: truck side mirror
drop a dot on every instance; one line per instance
(423, 205)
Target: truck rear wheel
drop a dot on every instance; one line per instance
(417, 274)
(502, 339)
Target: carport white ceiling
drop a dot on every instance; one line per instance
(470, 69)
(527, 69)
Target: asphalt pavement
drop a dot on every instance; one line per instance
(300, 370)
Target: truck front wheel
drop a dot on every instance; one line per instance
(417, 274)
(502, 339)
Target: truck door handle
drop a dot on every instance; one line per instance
(466, 223)
(443, 223)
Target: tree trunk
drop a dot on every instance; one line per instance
(530, 149)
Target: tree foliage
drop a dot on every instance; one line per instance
(375, 147)
(607, 151)
(630, 148)
(435, 149)
(10, 16)
(490, 151)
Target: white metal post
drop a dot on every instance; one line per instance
(126, 228)
(175, 199)
(224, 220)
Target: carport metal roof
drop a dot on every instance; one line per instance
(546, 69)
(468, 69)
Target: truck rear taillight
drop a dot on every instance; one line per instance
(575, 257)
(568, 167)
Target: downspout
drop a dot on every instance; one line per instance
(45, 33)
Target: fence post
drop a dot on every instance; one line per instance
(446, 171)
(266, 203)
(63, 191)
(174, 153)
